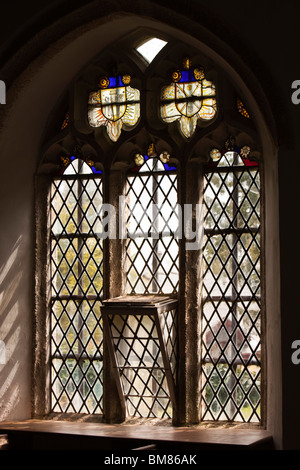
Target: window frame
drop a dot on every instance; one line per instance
(190, 279)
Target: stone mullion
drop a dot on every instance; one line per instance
(114, 282)
(189, 320)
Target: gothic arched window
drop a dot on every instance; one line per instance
(159, 202)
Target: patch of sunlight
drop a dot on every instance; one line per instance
(150, 48)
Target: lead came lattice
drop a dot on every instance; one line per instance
(77, 287)
(143, 346)
(152, 248)
(231, 325)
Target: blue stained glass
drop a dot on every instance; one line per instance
(187, 76)
(169, 168)
(96, 171)
(115, 82)
(112, 82)
(184, 76)
(92, 167)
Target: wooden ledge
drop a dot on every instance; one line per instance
(45, 434)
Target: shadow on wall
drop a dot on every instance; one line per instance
(10, 332)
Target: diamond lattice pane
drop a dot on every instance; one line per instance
(140, 362)
(231, 322)
(76, 286)
(152, 249)
(168, 322)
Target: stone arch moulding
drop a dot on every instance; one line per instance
(66, 57)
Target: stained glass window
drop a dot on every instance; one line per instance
(116, 105)
(229, 308)
(241, 108)
(189, 98)
(66, 121)
(152, 220)
(231, 298)
(76, 289)
(73, 165)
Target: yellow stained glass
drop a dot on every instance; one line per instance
(66, 121)
(114, 108)
(187, 102)
(241, 109)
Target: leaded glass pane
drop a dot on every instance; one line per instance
(140, 362)
(152, 220)
(231, 321)
(188, 99)
(241, 109)
(77, 166)
(76, 287)
(115, 105)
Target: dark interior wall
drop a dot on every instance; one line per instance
(264, 34)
